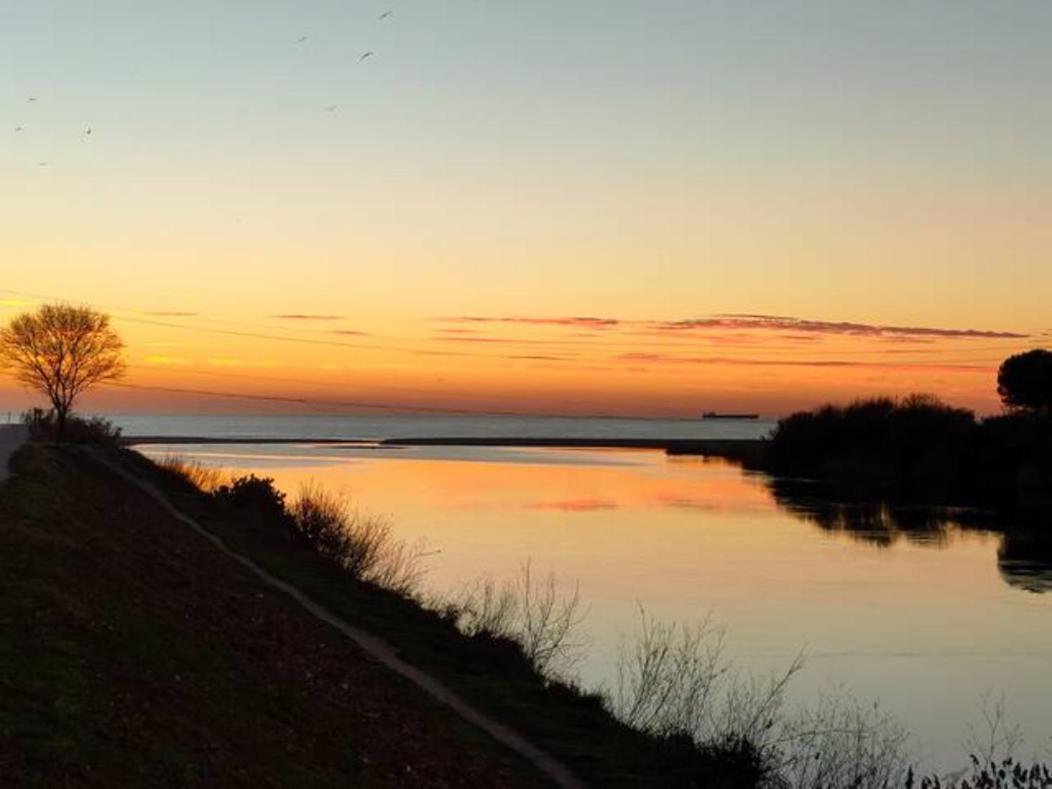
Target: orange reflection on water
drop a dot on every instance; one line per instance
(925, 625)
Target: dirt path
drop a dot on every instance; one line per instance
(11, 437)
(374, 646)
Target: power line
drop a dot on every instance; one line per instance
(362, 404)
(348, 404)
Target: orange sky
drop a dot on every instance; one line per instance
(668, 173)
(184, 360)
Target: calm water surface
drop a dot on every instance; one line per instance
(918, 613)
(379, 426)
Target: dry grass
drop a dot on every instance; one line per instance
(533, 612)
(673, 681)
(362, 544)
(206, 478)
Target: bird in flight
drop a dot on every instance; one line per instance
(18, 128)
(364, 56)
(301, 40)
(41, 164)
(331, 108)
(384, 16)
(87, 131)
(32, 98)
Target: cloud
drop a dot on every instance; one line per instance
(168, 361)
(575, 505)
(576, 321)
(731, 327)
(471, 339)
(350, 333)
(750, 321)
(302, 316)
(474, 339)
(660, 358)
(535, 357)
(233, 361)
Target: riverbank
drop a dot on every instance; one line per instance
(11, 437)
(138, 652)
(749, 452)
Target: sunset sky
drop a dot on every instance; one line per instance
(577, 207)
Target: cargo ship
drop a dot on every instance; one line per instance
(717, 415)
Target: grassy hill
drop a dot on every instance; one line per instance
(132, 652)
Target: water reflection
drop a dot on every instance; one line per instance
(924, 609)
(1024, 555)
(1025, 560)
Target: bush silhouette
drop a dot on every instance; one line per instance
(914, 441)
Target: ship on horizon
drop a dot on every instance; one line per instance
(718, 415)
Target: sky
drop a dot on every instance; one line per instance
(577, 207)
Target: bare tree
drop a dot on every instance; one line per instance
(62, 350)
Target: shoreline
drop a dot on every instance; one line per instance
(745, 450)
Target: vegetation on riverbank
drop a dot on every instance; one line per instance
(919, 449)
(503, 650)
(676, 688)
(679, 715)
(134, 653)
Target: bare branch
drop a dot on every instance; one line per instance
(62, 351)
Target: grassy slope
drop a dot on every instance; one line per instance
(575, 729)
(132, 652)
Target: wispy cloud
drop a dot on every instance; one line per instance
(574, 505)
(233, 361)
(536, 357)
(350, 333)
(576, 321)
(660, 358)
(482, 339)
(168, 361)
(731, 327)
(476, 339)
(171, 314)
(781, 323)
(305, 316)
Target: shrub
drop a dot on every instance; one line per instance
(916, 442)
(530, 613)
(44, 426)
(1006, 773)
(361, 545)
(258, 498)
(674, 683)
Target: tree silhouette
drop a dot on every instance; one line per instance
(1025, 381)
(62, 350)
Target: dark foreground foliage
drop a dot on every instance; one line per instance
(133, 653)
(919, 449)
(1025, 380)
(1006, 773)
(167, 664)
(44, 426)
(353, 565)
